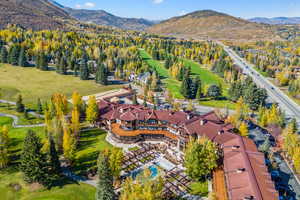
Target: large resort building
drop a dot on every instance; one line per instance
(246, 175)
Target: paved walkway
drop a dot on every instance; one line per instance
(15, 118)
(67, 172)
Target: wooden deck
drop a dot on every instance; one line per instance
(219, 185)
(116, 129)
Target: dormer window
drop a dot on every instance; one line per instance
(249, 198)
(220, 132)
(235, 147)
(240, 170)
(203, 121)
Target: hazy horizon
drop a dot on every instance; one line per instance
(163, 9)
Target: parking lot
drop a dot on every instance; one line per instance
(285, 180)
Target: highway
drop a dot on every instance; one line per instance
(291, 109)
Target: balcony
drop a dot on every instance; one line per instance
(117, 129)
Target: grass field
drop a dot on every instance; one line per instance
(22, 120)
(207, 77)
(90, 144)
(5, 121)
(67, 190)
(33, 83)
(161, 70)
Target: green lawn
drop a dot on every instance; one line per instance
(22, 120)
(90, 144)
(33, 83)
(67, 190)
(5, 121)
(161, 70)
(207, 77)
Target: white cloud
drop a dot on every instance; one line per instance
(158, 1)
(89, 5)
(78, 6)
(183, 12)
(85, 5)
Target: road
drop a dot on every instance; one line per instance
(291, 109)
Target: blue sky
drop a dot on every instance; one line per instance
(163, 9)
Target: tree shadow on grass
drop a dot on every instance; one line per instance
(87, 161)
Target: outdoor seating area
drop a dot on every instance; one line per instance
(144, 154)
(176, 182)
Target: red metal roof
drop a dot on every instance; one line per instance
(245, 170)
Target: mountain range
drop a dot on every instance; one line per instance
(276, 20)
(104, 18)
(205, 24)
(34, 14)
(208, 24)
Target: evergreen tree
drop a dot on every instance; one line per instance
(134, 100)
(22, 58)
(101, 74)
(39, 107)
(84, 71)
(52, 164)
(26, 116)
(214, 91)
(105, 189)
(145, 102)
(3, 56)
(63, 66)
(42, 60)
(199, 91)
(20, 107)
(185, 87)
(32, 160)
(14, 55)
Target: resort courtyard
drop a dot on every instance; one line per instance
(161, 159)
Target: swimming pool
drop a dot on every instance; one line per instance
(153, 169)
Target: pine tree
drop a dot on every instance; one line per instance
(22, 61)
(3, 56)
(134, 100)
(26, 116)
(101, 74)
(105, 189)
(32, 160)
(185, 87)
(199, 91)
(14, 55)
(145, 102)
(20, 107)
(84, 71)
(214, 91)
(92, 110)
(52, 165)
(39, 107)
(42, 60)
(52, 158)
(63, 66)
